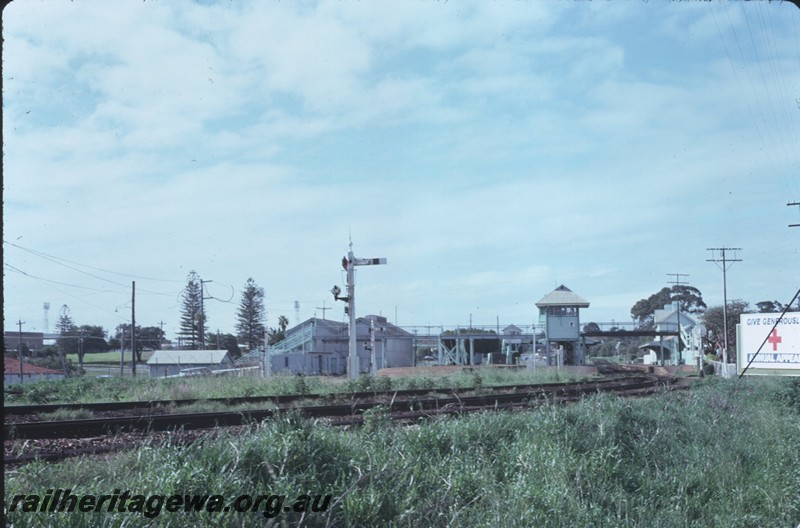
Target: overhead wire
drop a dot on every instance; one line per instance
(780, 121)
(759, 124)
(17, 270)
(781, 114)
(55, 260)
(42, 254)
(48, 283)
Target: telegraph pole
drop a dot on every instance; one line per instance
(373, 366)
(725, 261)
(349, 263)
(80, 351)
(266, 366)
(202, 330)
(20, 322)
(324, 309)
(122, 352)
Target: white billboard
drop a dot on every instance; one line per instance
(780, 353)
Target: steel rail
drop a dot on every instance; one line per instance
(641, 388)
(30, 409)
(104, 426)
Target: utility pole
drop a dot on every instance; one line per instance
(133, 328)
(791, 204)
(122, 352)
(266, 365)
(725, 261)
(349, 263)
(373, 366)
(20, 322)
(677, 282)
(161, 336)
(324, 309)
(202, 330)
(80, 351)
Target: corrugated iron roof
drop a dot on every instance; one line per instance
(12, 367)
(562, 296)
(187, 357)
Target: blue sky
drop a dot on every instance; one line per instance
(489, 150)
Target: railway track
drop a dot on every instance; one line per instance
(57, 440)
(339, 413)
(39, 409)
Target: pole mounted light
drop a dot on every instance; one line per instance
(336, 291)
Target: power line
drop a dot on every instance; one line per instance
(14, 268)
(84, 301)
(48, 257)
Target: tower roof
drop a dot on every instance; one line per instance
(562, 296)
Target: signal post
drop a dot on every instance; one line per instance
(349, 263)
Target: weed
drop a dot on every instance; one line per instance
(715, 456)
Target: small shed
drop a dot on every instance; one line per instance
(30, 372)
(164, 363)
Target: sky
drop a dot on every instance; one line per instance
(490, 151)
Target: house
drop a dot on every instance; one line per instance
(165, 363)
(30, 372)
(669, 350)
(321, 346)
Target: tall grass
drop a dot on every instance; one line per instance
(89, 389)
(722, 455)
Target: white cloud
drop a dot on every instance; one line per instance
(489, 150)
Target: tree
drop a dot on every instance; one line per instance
(93, 339)
(714, 320)
(67, 331)
(689, 298)
(86, 339)
(591, 327)
(225, 342)
(149, 337)
(250, 315)
(193, 316)
(770, 307)
(276, 335)
(65, 327)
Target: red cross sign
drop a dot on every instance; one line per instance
(774, 338)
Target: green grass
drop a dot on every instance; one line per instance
(106, 358)
(89, 389)
(722, 455)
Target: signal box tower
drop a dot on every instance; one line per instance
(559, 312)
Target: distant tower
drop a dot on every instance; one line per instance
(559, 312)
(46, 326)
(297, 312)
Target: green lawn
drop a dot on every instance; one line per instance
(105, 357)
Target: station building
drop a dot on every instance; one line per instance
(321, 346)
